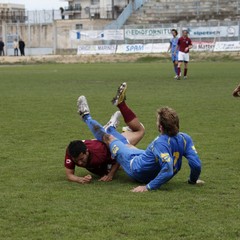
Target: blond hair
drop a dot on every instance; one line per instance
(168, 119)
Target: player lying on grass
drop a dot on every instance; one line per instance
(95, 155)
(236, 92)
(163, 157)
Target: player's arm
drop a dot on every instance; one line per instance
(170, 46)
(73, 178)
(194, 162)
(189, 47)
(164, 176)
(109, 177)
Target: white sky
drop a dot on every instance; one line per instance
(39, 4)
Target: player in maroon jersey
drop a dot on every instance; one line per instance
(95, 155)
(184, 45)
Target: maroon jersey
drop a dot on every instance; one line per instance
(99, 158)
(184, 42)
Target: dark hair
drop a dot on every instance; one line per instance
(169, 121)
(175, 30)
(76, 147)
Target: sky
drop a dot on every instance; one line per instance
(39, 4)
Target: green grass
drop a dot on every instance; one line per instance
(38, 119)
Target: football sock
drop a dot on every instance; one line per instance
(127, 113)
(178, 71)
(112, 130)
(185, 72)
(95, 127)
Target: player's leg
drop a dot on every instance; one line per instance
(186, 60)
(176, 68)
(123, 154)
(175, 65)
(180, 61)
(137, 130)
(185, 69)
(95, 127)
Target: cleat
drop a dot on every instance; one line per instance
(120, 96)
(176, 77)
(82, 106)
(185, 77)
(126, 129)
(114, 120)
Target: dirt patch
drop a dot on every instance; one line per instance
(200, 56)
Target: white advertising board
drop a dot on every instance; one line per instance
(97, 35)
(96, 49)
(143, 48)
(227, 46)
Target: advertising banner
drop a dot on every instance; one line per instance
(149, 33)
(227, 46)
(203, 46)
(97, 35)
(143, 48)
(96, 49)
(210, 32)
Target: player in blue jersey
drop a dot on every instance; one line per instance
(163, 157)
(173, 47)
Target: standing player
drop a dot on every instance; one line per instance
(95, 155)
(174, 51)
(236, 92)
(161, 160)
(184, 45)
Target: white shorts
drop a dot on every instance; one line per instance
(183, 57)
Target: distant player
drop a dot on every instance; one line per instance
(163, 157)
(173, 47)
(184, 45)
(236, 92)
(95, 155)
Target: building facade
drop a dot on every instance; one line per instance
(94, 9)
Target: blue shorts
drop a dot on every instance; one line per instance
(175, 58)
(124, 154)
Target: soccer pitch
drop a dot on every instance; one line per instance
(38, 119)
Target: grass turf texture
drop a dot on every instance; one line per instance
(38, 119)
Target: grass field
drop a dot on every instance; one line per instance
(38, 119)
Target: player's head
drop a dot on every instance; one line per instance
(79, 153)
(168, 121)
(174, 32)
(185, 32)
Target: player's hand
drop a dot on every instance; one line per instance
(140, 189)
(186, 49)
(86, 179)
(200, 182)
(106, 178)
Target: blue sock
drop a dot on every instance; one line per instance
(176, 69)
(95, 127)
(112, 130)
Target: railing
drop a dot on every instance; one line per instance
(127, 12)
(119, 22)
(138, 3)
